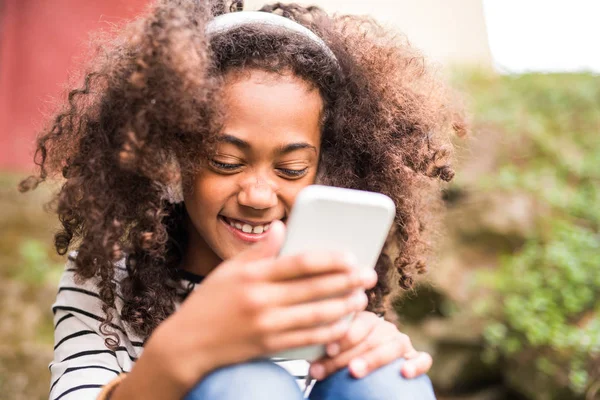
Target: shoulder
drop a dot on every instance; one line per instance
(82, 360)
(81, 296)
(70, 282)
(81, 299)
(119, 266)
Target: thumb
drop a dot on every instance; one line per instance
(268, 247)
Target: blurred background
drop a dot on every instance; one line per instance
(510, 308)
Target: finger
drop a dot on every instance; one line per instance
(362, 325)
(312, 314)
(325, 366)
(305, 337)
(417, 365)
(411, 354)
(313, 263)
(378, 357)
(268, 247)
(381, 332)
(319, 287)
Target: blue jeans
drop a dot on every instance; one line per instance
(264, 380)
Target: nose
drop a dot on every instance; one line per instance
(258, 194)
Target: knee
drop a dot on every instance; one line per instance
(385, 383)
(251, 380)
(419, 388)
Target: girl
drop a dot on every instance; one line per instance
(182, 155)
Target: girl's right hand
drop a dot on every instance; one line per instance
(257, 304)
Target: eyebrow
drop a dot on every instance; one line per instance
(288, 148)
(242, 144)
(285, 149)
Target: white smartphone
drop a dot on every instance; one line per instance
(328, 218)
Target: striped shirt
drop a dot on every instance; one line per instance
(82, 363)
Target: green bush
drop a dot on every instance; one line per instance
(543, 305)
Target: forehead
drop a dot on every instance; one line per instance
(265, 105)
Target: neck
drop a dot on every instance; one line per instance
(198, 257)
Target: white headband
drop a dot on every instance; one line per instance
(228, 21)
(173, 193)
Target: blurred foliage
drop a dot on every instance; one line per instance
(29, 272)
(543, 300)
(26, 250)
(36, 267)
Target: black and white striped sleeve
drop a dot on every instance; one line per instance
(82, 364)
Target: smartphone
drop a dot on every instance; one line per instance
(326, 218)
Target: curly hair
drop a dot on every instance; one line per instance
(152, 94)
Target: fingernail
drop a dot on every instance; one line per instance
(359, 300)
(358, 367)
(367, 276)
(333, 349)
(409, 370)
(317, 371)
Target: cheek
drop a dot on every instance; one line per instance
(208, 193)
(289, 191)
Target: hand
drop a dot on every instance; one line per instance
(255, 305)
(371, 343)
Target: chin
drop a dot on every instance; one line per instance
(231, 251)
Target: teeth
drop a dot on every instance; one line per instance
(246, 228)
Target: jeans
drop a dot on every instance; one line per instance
(264, 380)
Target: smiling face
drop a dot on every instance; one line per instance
(268, 151)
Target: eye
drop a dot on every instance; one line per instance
(225, 167)
(292, 173)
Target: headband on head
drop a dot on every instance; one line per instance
(229, 21)
(225, 22)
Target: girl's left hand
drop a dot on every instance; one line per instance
(370, 343)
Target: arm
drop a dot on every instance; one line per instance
(272, 304)
(84, 368)
(82, 364)
(160, 373)
(267, 311)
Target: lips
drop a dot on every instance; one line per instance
(246, 231)
(248, 227)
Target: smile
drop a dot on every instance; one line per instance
(247, 227)
(246, 231)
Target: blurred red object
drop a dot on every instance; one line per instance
(39, 41)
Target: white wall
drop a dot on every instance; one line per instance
(544, 35)
(447, 31)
